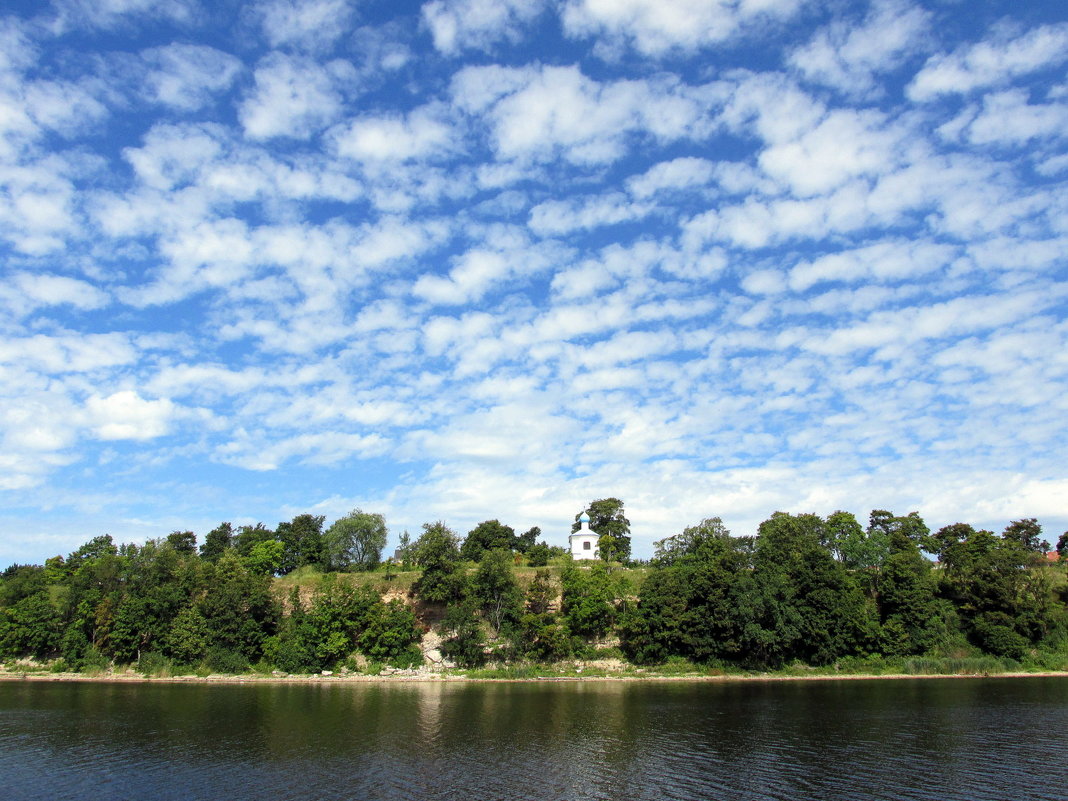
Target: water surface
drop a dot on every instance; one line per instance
(939, 739)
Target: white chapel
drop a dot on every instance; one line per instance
(583, 542)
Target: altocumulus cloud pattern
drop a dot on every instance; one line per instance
(466, 259)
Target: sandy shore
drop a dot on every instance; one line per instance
(438, 678)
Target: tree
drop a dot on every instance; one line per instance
(405, 550)
(487, 536)
(302, 542)
(218, 540)
(948, 536)
(494, 588)
(1062, 547)
(248, 537)
(611, 526)
(438, 554)
(589, 599)
(356, 541)
(692, 539)
(538, 555)
(526, 540)
(1027, 533)
(265, 558)
(183, 541)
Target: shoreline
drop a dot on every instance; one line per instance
(443, 678)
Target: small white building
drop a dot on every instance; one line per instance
(583, 542)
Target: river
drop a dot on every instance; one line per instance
(939, 739)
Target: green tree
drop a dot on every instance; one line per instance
(487, 536)
(356, 540)
(495, 589)
(240, 609)
(670, 550)
(302, 542)
(527, 540)
(265, 558)
(183, 541)
(218, 540)
(405, 550)
(187, 640)
(612, 527)
(466, 645)
(391, 634)
(589, 598)
(1027, 533)
(538, 555)
(907, 606)
(438, 554)
(248, 537)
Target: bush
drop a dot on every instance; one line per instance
(154, 664)
(223, 660)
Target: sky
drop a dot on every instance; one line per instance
(471, 259)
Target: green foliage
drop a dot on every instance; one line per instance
(589, 598)
(487, 536)
(495, 589)
(183, 541)
(438, 554)
(218, 540)
(390, 635)
(248, 537)
(466, 646)
(1026, 533)
(538, 555)
(265, 558)
(188, 638)
(525, 541)
(355, 541)
(226, 661)
(302, 543)
(154, 663)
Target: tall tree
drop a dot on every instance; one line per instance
(218, 540)
(356, 541)
(302, 542)
(488, 535)
(438, 554)
(495, 589)
(612, 527)
(1027, 533)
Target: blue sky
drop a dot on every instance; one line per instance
(471, 259)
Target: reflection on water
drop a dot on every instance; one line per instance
(909, 739)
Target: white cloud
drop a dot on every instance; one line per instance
(1007, 118)
(126, 415)
(457, 25)
(113, 13)
(655, 27)
(538, 114)
(883, 261)
(850, 57)
(555, 217)
(293, 97)
(188, 76)
(421, 134)
(29, 291)
(843, 146)
(309, 23)
(675, 175)
(262, 452)
(992, 62)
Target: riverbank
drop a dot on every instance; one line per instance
(461, 677)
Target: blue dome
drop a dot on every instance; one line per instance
(584, 518)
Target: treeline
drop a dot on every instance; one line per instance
(803, 588)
